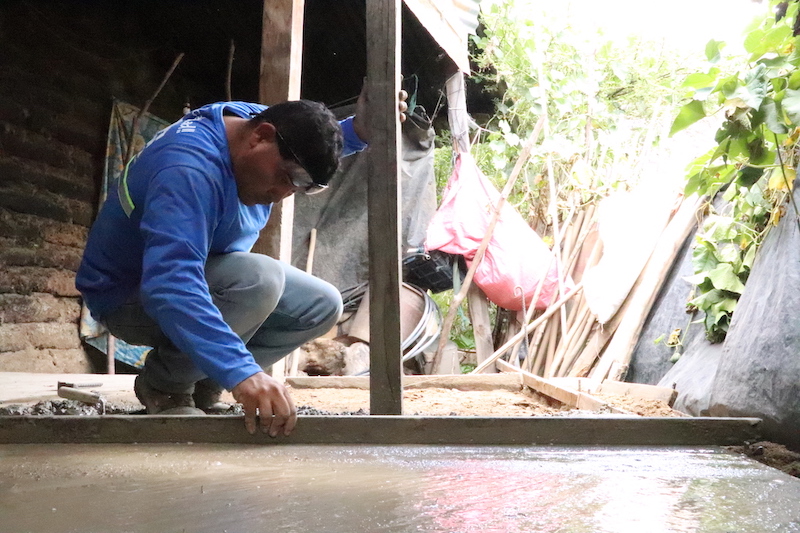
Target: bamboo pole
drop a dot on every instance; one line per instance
(457, 299)
(551, 180)
(228, 71)
(551, 347)
(547, 314)
(146, 107)
(568, 339)
(569, 359)
(541, 352)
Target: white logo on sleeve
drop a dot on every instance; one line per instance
(188, 125)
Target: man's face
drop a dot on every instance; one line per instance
(262, 175)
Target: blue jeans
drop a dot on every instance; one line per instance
(272, 306)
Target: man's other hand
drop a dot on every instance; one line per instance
(263, 395)
(360, 121)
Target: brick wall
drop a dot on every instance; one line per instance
(60, 66)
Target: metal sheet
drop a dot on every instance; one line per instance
(450, 22)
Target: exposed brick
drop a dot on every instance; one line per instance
(38, 307)
(61, 182)
(72, 361)
(19, 142)
(26, 229)
(43, 255)
(25, 198)
(28, 280)
(40, 335)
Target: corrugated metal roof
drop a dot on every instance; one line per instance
(449, 22)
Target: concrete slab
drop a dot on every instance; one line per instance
(351, 489)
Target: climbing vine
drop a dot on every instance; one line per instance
(752, 163)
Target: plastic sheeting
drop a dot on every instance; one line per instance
(340, 214)
(516, 258)
(755, 372)
(629, 223)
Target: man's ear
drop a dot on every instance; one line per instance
(264, 132)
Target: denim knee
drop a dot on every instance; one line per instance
(253, 283)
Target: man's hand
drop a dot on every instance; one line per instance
(264, 395)
(360, 121)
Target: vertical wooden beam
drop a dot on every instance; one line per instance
(481, 325)
(281, 62)
(383, 77)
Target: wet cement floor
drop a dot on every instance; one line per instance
(307, 488)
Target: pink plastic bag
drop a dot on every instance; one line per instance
(516, 255)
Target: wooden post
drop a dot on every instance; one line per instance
(281, 62)
(383, 78)
(481, 325)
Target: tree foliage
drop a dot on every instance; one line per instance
(758, 105)
(606, 100)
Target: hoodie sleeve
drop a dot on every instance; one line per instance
(182, 209)
(352, 142)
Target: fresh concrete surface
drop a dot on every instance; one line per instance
(351, 489)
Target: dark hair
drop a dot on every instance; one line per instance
(308, 134)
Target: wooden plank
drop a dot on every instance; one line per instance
(576, 384)
(595, 430)
(614, 362)
(279, 81)
(383, 78)
(639, 390)
(570, 398)
(464, 382)
(481, 325)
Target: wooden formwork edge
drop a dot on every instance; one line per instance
(376, 430)
(568, 397)
(464, 382)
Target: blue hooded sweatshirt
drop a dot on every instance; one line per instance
(176, 204)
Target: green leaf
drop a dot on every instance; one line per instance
(791, 105)
(749, 257)
(721, 311)
(688, 115)
(722, 228)
(727, 85)
(794, 80)
(713, 50)
(752, 42)
(755, 88)
(699, 80)
(773, 116)
(724, 278)
(706, 300)
(748, 176)
(704, 259)
(729, 253)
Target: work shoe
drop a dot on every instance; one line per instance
(164, 403)
(207, 395)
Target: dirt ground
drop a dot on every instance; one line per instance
(428, 401)
(771, 454)
(452, 402)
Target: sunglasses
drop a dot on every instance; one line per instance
(298, 176)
